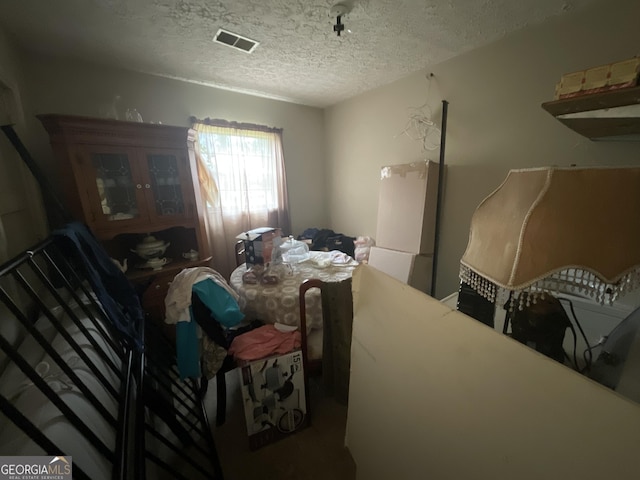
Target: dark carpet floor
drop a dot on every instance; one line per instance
(316, 452)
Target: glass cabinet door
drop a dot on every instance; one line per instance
(116, 185)
(166, 184)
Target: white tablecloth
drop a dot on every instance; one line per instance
(280, 302)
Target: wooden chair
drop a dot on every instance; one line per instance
(240, 253)
(203, 317)
(337, 321)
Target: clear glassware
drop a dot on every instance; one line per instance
(133, 115)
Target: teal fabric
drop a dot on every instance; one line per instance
(188, 348)
(221, 304)
(225, 311)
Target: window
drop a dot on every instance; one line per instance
(247, 167)
(246, 186)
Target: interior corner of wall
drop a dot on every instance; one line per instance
(35, 204)
(10, 106)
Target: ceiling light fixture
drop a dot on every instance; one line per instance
(339, 10)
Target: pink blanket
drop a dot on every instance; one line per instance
(263, 342)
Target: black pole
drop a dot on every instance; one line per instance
(60, 215)
(443, 136)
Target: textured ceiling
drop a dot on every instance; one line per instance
(299, 59)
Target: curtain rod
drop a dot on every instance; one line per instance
(244, 126)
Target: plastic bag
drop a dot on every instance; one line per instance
(363, 246)
(293, 251)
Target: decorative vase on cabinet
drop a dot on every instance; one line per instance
(126, 180)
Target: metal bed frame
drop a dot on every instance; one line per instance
(161, 428)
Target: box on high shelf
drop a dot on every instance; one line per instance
(570, 83)
(625, 72)
(603, 78)
(596, 77)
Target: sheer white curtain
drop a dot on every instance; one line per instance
(246, 164)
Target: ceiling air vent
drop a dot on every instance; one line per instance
(236, 41)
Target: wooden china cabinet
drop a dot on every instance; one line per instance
(127, 180)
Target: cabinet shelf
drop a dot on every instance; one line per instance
(612, 115)
(126, 180)
(136, 274)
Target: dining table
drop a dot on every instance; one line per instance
(328, 339)
(280, 302)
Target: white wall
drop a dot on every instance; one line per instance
(22, 220)
(58, 86)
(495, 122)
(333, 161)
(435, 394)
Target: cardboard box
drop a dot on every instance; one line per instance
(274, 398)
(259, 244)
(625, 72)
(603, 78)
(410, 268)
(596, 77)
(407, 207)
(571, 82)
